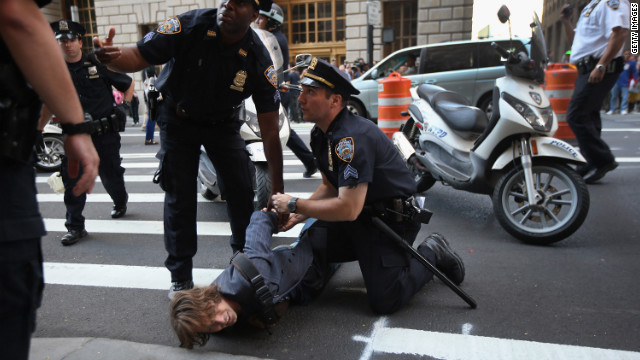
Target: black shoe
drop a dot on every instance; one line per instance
(118, 211)
(447, 260)
(310, 171)
(179, 286)
(583, 170)
(73, 236)
(599, 173)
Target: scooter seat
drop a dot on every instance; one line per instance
(454, 109)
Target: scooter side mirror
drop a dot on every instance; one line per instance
(504, 14)
(303, 60)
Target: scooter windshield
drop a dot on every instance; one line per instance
(271, 43)
(538, 48)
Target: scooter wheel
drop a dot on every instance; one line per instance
(562, 209)
(50, 157)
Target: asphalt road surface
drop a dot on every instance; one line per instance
(574, 299)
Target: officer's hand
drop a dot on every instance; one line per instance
(596, 76)
(104, 49)
(80, 152)
(280, 202)
(292, 220)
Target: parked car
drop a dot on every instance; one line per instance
(466, 67)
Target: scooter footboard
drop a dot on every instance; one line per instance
(542, 146)
(256, 152)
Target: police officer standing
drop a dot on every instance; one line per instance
(27, 51)
(213, 62)
(596, 49)
(93, 82)
(272, 21)
(362, 176)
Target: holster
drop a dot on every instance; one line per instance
(586, 65)
(19, 113)
(398, 210)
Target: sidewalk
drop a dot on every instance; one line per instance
(108, 349)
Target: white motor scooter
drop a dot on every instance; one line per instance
(537, 196)
(51, 149)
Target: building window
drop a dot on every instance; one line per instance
(86, 18)
(402, 16)
(314, 21)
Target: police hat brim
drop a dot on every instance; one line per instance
(67, 35)
(310, 82)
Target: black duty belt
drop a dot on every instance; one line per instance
(219, 118)
(398, 209)
(587, 64)
(241, 262)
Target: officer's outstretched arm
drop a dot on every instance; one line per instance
(344, 207)
(126, 59)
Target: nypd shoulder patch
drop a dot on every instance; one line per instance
(614, 4)
(170, 26)
(272, 76)
(345, 149)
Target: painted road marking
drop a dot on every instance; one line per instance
(148, 178)
(464, 346)
(152, 155)
(154, 164)
(119, 276)
(151, 227)
(135, 198)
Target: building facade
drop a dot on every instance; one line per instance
(331, 29)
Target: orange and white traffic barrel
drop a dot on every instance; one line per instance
(394, 97)
(559, 81)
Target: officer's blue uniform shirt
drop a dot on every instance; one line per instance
(93, 83)
(361, 153)
(203, 77)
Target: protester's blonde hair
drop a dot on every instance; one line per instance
(187, 311)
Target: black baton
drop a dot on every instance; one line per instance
(387, 230)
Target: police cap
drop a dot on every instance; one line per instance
(67, 29)
(322, 74)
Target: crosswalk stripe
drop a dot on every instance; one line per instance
(119, 276)
(154, 164)
(136, 197)
(153, 227)
(152, 155)
(148, 178)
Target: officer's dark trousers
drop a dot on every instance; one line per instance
(111, 174)
(179, 158)
(391, 275)
(583, 116)
(301, 150)
(21, 280)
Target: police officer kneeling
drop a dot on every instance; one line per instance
(362, 176)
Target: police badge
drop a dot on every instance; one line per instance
(239, 80)
(93, 72)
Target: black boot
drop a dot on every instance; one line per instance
(447, 260)
(73, 236)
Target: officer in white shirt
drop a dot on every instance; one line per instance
(596, 49)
